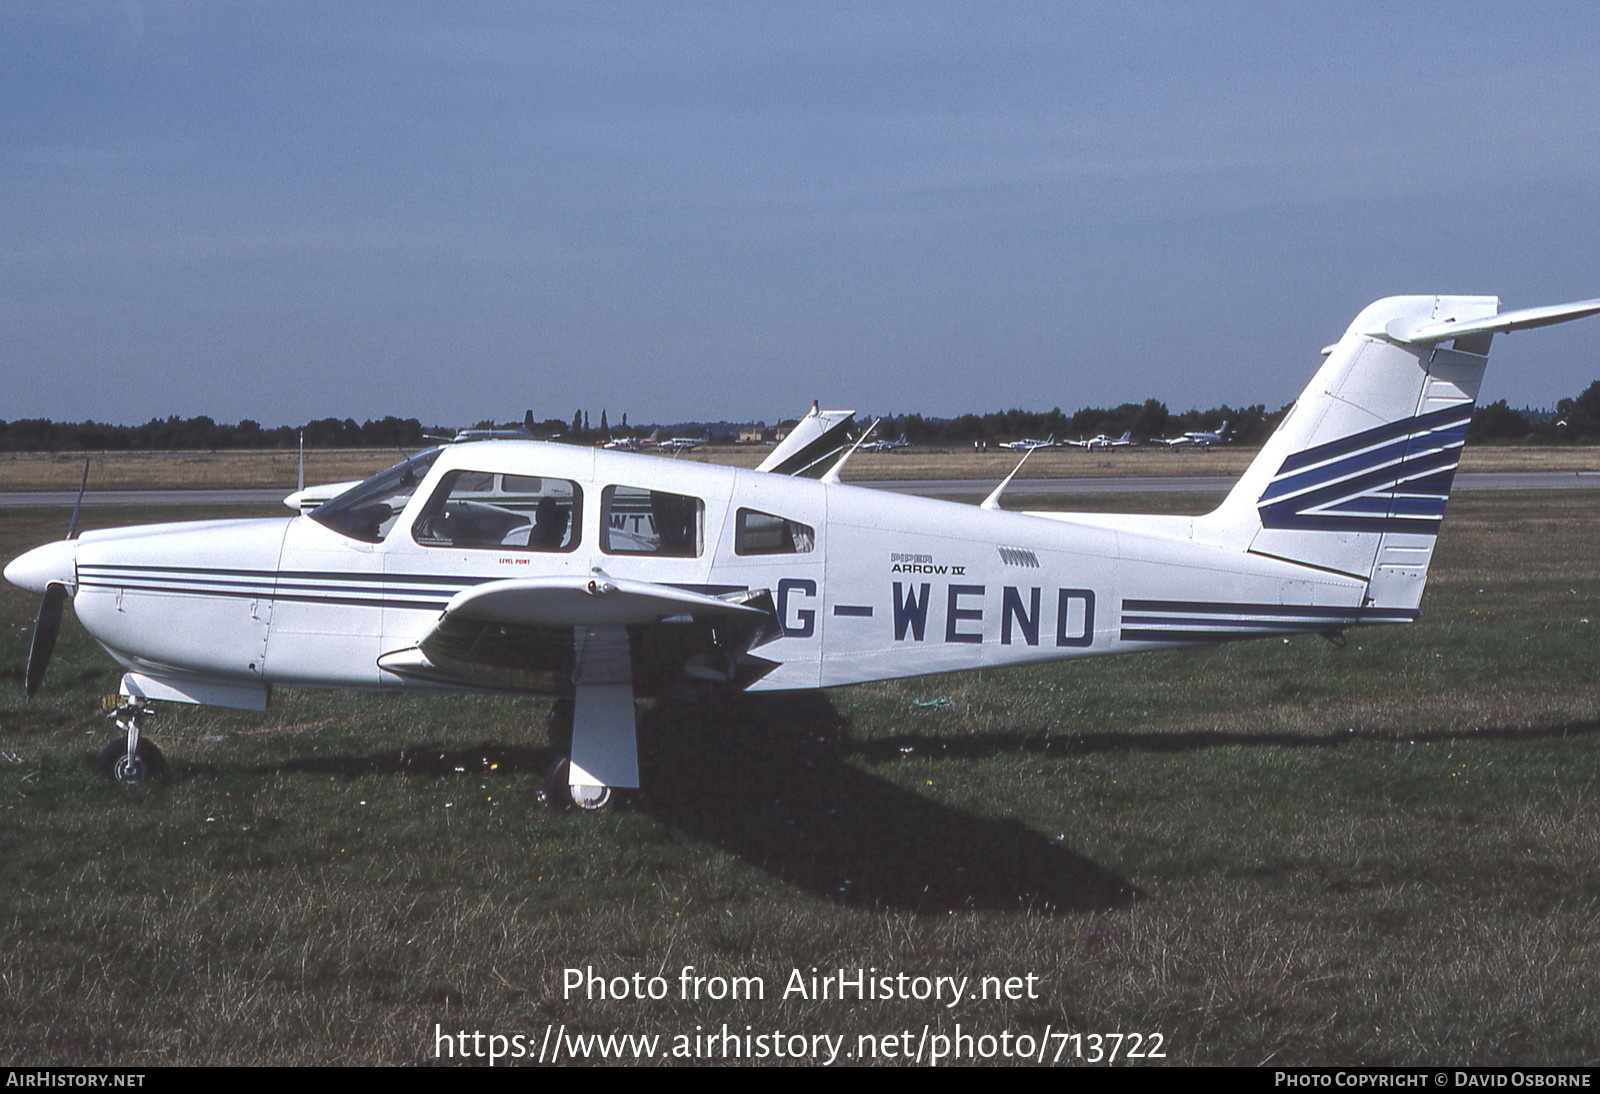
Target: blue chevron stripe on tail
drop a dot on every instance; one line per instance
(1391, 478)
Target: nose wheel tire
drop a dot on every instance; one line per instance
(147, 763)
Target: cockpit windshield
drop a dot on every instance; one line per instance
(367, 511)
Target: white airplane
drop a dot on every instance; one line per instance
(1197, 438)
(523, 432)
(684, 444)
(886, 446)
(531, 568)
(1105, 441)
(1028, 444)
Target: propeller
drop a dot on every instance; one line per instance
(48, 623)
(45, 629)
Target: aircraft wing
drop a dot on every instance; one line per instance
(521, 634)
(586, 602)
(309, 498)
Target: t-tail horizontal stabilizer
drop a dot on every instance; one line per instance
(1410, 332)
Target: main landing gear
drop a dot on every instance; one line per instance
(130, 759)
(561, 790)
(559, 793)
(594, 728)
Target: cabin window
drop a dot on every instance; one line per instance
(757, 533)
(492, 510)
(637, 521)
(368, 510)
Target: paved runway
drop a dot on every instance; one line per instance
(950, 488)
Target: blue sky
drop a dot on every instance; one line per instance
(283, 210)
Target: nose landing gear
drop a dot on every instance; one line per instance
(130, 759)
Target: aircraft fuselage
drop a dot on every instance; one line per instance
(864, 585)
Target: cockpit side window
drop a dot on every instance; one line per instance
(368, 510)
(758, 533)
(638, 521)
(493, 510)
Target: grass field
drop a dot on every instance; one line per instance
(1277, 852)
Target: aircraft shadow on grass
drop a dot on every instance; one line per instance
(766, 778)
(979, 746)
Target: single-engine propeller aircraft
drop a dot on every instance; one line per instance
(598, 577)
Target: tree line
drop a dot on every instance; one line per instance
(1573, 421)
(204, 434)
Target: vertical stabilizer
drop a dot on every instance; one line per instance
(1356, 478)
(816, 443)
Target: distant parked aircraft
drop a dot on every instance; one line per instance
(1028, 444)
(1197, 438)
(1104, 441)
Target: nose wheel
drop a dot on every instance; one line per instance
(131, 758)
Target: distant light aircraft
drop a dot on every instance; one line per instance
(1028, 444)
(530, 568)
(1104, 441)
(886, 446)
(1197, 438)
(682, 444)
(522, 432)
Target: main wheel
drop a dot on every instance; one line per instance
(148, 762)
(559, 794)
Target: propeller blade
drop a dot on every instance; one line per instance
(45, 629)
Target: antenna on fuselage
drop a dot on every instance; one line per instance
(832, 474)
(993, 500)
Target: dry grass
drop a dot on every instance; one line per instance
(245, 470)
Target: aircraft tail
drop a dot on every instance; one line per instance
(817, 442)
(1356, 477)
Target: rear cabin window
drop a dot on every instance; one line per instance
(758, 533)
(493, 510)
(637, 521)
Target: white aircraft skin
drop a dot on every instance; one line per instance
(778, 582)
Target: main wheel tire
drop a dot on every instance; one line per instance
(148, 762)
(559, 794)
